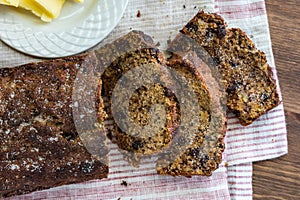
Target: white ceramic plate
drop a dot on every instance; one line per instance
(78, 28)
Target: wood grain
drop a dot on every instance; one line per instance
(280, 178)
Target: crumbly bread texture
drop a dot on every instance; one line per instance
(180, 153)
(198, 153)
(155, 136)
(250, 86)
(40, 145)
(134, 51)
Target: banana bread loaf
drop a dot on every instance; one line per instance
(40, 144)
(250, 86)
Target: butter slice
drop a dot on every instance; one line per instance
(45, 9)
(10, 2)
(51, 7)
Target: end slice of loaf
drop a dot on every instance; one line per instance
(40, 145)
(250, 86)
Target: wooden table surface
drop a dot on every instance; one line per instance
(280, 178)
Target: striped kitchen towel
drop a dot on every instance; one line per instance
(264, 139)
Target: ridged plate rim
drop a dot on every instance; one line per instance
(53, 44)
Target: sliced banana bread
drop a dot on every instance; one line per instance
(136, 137)
(250, 86)
(198, 152)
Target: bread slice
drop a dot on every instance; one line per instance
(250, 86)
(41, 146)
(138, 80)
(196, 151)
(132, 52)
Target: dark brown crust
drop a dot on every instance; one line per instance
(40, 147)
(248, 78)
(134, 40)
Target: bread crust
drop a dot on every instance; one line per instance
(40, 145)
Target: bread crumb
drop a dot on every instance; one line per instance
(124, 183)
(226, 164)
(138, 13)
